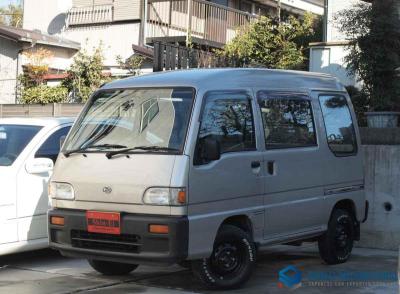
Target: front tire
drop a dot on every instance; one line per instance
(231, 262)
(109, 268)
(336, 244)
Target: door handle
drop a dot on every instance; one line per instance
(255, 164)
(271, 168)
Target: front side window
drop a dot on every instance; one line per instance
(227, 118)
(338, 124)
(51, 147)
(129, 118)
(287, 119)
(13, 140)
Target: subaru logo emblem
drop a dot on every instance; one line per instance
(107, 190)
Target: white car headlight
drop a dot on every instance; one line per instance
(165, 196)
(61, 191)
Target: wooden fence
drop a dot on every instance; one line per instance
(39, 110)
(172, 57)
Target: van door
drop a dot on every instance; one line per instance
(32, 199)
(342, 154)
(232, 184)
(294, 165)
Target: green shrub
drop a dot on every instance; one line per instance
(43, 94)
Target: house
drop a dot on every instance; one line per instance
(328, 56)
(14, 42)
(120, 24)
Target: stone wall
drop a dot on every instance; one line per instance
(382, 186)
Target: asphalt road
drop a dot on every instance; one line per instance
(45, 271)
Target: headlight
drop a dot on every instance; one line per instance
(61, 191)
(165, 196)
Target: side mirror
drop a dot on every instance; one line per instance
(62, 140)
(39, 165)
(211, 149)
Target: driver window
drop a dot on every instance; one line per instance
(228, 118)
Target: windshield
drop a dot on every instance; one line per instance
(117, 119)
(13, 139)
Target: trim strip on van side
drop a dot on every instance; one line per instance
(343, 189)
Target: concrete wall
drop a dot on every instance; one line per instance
(8, 70)
(382, 183)
(46, 15)
(330, 60)
(116, 39)
(335, 6)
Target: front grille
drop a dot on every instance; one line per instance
(117, 243)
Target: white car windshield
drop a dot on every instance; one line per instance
(13, 140)
(129, 118)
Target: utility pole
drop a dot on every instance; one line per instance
(189, 23)
(279, 9)
(325, 22)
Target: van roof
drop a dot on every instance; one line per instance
(38, 121)
(232, 78)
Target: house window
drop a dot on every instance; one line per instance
(245, 6)
(220, 2)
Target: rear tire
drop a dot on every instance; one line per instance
(231, 262)
(109, 268)
(336, 244)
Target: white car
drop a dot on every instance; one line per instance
(28, 150)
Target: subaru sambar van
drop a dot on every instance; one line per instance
(203, 167)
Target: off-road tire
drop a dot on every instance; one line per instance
(231, 262)
(336, 244)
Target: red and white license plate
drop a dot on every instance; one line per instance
(103, 222)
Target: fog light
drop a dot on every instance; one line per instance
(57, 220)
(159, 229)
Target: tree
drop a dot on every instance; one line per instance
(32, 81)
(272, 44)
(133, 64)
(373, 32)
(85, 74)
(11, 15)
(37, 66)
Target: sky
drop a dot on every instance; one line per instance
(6, 2)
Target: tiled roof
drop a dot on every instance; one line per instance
(38, 37)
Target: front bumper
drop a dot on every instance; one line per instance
(135, 244)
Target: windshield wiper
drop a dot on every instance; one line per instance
(110, 154)
(78, 150)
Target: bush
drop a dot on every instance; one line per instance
(44, 94)
(268, 43)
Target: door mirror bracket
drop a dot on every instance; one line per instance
(211, 149)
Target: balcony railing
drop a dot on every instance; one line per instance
(90, 15)
(208, 21)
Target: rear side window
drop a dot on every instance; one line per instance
(338, 124)
(287, 120)
(228, 118)
(51, 147)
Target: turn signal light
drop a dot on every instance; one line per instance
(181, 197)
(57, 220)
(159, 229)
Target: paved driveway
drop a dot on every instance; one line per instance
(47, 272)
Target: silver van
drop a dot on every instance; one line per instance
(203, 167)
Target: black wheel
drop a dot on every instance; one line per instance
(109, 268)
(336, 244)
(231, 262)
